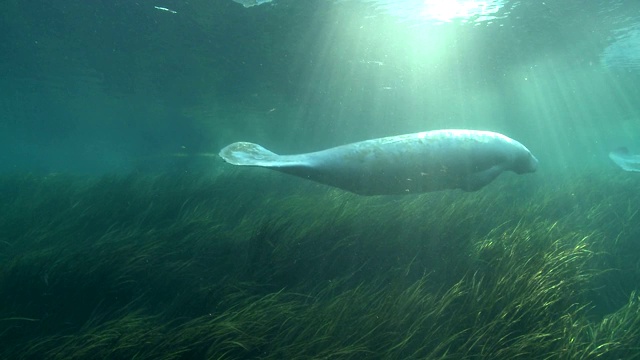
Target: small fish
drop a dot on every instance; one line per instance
(165, 9)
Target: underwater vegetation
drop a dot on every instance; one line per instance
(261, 266)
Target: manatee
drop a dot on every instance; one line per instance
(624, 160)
(405, 164)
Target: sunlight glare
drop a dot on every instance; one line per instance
(447, 10)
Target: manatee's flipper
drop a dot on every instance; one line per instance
(624, 160)
(249, 154)
(478, 180)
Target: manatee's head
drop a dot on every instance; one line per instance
(525, 162)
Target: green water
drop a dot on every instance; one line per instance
(123, 235)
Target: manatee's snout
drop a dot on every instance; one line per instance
(526, 163)
(533, 163)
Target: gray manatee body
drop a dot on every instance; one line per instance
(625, 160)
(404, 164)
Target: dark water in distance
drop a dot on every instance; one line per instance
(104, 86)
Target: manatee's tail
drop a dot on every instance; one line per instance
(249, 154)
